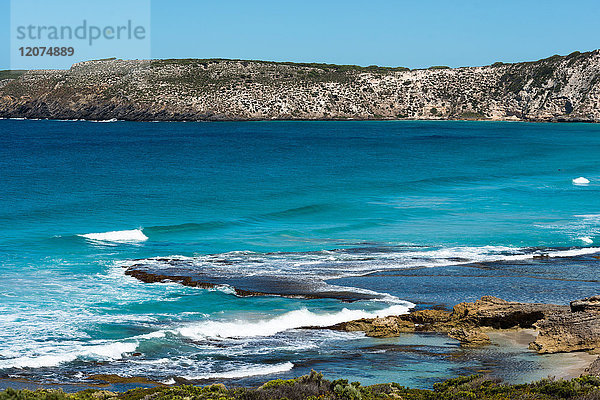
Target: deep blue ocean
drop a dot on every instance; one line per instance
(389, 214)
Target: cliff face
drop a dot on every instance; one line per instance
(554, 89)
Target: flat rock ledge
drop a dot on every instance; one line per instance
(560, 328)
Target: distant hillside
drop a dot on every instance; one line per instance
(559, 88)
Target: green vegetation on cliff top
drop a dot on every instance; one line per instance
(314, 387)
(11, 74)
(335, 67)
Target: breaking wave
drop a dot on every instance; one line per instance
(127, 236)
(291, 320)
(251, 370)
(111, 351)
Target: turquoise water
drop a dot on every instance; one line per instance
(394, 214)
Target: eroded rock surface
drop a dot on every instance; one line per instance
(469, 336)
(594, 368)
(559, 328)
(591, 304)
(558, 88)
(567, 332)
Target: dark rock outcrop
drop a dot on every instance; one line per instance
(591, 304)
(185, 281)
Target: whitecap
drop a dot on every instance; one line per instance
(586, 239)
(581, 181)
(133, 235)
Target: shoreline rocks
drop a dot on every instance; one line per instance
(566, 332)
(591, 304)
(560, 329)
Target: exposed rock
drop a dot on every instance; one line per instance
(501, 314)
(591, 304)
(112, 378)
(594, 368)
(567, 332)
(184, 271)
(463, 323)
(428, 316)
(377, 327)
(185, 281)
(558, 88)
(560, 329)
(390, 326)
(469, 337)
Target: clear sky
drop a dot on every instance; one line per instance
(392, 33)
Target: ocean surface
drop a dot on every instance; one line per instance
(370, 217)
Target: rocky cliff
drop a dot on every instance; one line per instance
(559, 88)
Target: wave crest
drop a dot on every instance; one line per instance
(110, 351)
(243, 372)
(127, 236)
(302, 318)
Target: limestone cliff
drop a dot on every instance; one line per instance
(559, 88)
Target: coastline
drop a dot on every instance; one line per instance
(110, 120)
(554, 89)
(564, 365)
(508, 327)
(359, 231)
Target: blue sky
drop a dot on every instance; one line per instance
(392, 33)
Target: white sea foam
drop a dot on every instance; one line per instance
(581, 181)
(575, 252)
(37, 362)
(104, 121)
(586, 239)
(110, 351)
(253, 370)
(151, 335)
(321, 266)
(290, 320)
(133, 235)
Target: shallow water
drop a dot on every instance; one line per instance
(393, 213)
